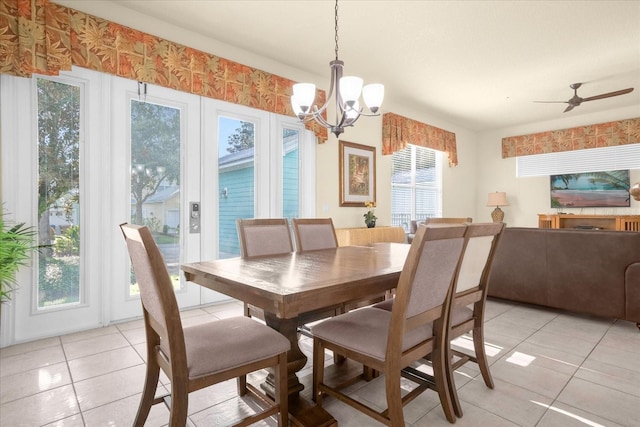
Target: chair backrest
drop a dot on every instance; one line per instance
(425, 286)
(481, 242)
(436, 222)
(314, 233)
(161, 310)
(264, 236)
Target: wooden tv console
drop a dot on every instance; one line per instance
(590, 222)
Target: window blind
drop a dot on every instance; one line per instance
(416, 185)
(577, 161)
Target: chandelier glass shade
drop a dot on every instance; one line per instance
(345, 91)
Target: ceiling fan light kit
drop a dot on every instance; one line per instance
(575, 101)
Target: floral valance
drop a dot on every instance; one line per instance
(42, 37)
(608, 134)
(398, 131)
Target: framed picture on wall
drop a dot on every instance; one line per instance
(357, 174)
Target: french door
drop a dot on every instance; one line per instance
(84, 152)
(156, 151)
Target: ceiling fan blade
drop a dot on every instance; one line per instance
(608, 95)
(551, 102)
(569, 108)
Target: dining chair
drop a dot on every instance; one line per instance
(314, 233)
(470, 298)
(262, 237)
(389, 341)
(319, 233)
(481, 241)
(436, 222)
(446, 220)
(199, 356)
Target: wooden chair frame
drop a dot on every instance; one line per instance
(299, 225)
(163, 325)
(476, 296)
(396, 359)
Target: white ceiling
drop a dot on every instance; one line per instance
(479, 64)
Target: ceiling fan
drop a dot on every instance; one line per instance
(576, 100)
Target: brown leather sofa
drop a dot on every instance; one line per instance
(585, 271)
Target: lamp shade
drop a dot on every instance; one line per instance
(373, 94)
(499, 198)
(350, 88)
(635, 191)
(304, 94)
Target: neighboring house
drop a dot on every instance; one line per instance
(163, 207)
(236, 191)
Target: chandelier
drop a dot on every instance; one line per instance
(347, 93)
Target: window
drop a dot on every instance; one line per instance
(416, 185)
(58, 193)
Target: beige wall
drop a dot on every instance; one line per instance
(481, 169)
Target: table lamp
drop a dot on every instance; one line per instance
(497, 199)
(635, 191)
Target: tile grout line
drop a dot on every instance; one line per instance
(574, 375)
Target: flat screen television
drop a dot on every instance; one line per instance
(609, 189)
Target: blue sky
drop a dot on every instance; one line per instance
(227, 128)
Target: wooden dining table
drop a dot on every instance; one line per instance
(295, 287)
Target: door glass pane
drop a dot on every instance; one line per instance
(290, 173)
(235, 180)
(155, 179)
(58, 193)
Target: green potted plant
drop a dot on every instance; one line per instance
(16, 244)
(370, 217)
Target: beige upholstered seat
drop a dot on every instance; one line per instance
(314, 233)
(388, 341)
(198, 356)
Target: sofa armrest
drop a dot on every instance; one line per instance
(632, 292)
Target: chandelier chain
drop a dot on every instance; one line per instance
(336, 18)
(347, 107)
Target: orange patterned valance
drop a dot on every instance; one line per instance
(42, 37)
(398, 131)
(608, 134)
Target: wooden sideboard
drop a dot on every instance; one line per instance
(366, 236)
(590, 222)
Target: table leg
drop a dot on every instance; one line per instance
(295, 359)
(302, 412)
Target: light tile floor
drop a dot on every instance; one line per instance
(551, 369)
